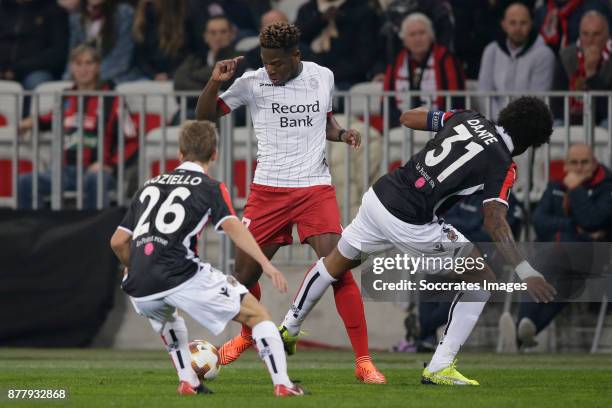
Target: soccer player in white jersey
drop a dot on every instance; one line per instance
(290, 102)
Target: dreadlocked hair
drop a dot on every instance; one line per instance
(280, 35)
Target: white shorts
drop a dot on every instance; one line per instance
(375, 229)
(210, 297)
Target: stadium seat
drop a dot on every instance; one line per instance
(153, 107)
(6, 169)
(359, 102)
(396, 135)
(577, 134)
(471, 85)
(247, 44)
(290, 8)
(47, 91)
(10, 113)
(153, 149)
(241, 178)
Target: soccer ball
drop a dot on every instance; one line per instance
(204, 360)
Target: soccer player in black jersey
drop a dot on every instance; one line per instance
(468, 154)
(156, 241)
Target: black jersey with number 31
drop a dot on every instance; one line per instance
(467, 155)
(165, 217)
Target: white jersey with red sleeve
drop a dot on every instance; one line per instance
(289, 123)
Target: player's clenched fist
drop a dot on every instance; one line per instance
(352, 137)
(224, 70)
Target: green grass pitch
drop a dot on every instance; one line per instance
(111, 378)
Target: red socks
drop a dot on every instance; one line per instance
(350, 308)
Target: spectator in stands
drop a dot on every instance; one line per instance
(558, 21)
(580, 207)
(33, 41)
(71, 6)
(423, 65)
(198, 13)
(85, 66)
(585, 65)
(160, 35)
(332, 29)
(195, 71)
(253, 56)
(577, 209)
(476, 25)
(246, 15)
(107, 26)
(518, 61)
(440, 12)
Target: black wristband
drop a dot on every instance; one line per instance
(343, 131)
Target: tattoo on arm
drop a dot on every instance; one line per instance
(496, 225)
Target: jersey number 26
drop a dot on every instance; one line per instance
(167, 207)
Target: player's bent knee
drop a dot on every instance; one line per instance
(337, 264)
(251, 311)
(347, 250)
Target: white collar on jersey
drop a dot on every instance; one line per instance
(507, 139)
(191, 166)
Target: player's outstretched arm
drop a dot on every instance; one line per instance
(415, 119)
(120, 243)
(496, 225)
(243, 239)
(207, 108)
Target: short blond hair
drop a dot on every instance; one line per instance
(198, 140)
(82, 49)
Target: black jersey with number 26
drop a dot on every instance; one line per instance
(165, 217)
(467, 155)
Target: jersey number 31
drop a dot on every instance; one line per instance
(473, 148)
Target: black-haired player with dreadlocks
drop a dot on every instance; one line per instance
(468, 154)
(290, 102)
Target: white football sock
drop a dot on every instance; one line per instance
(174, 336)
(313, 287)
(462, 317)
(271, 351)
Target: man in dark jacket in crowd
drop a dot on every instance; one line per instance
(576, 210)
(579, 208)
(33, 41)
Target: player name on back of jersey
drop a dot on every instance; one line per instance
(483, 134)
(297, 108)
(175, 179)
